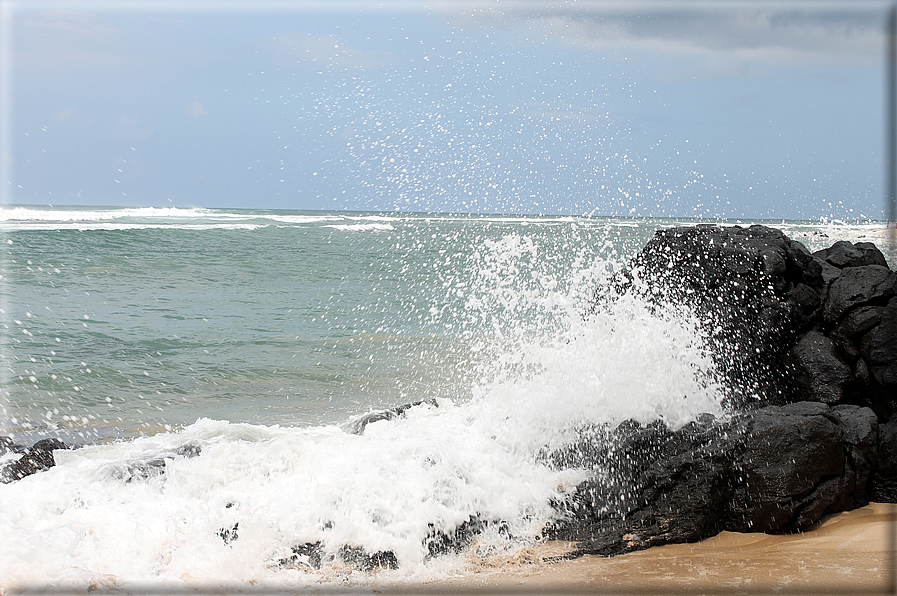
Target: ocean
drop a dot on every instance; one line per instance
(212, 366)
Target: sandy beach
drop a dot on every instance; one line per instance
(848, 553)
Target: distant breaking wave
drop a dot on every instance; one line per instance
(85, 226)
(362, 227)
(24, 214)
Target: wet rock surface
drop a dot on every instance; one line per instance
(883, 485)
(774, 469)
(24, 461)
(357, 426)
(19, 461)
(312, 555)
(807, 345)
(784, 324)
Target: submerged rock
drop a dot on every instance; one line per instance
(312, 555)
(357, 426)
(28, 460)
(141, 470)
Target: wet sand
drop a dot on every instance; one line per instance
(848, 553)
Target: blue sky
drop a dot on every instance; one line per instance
(738, 109)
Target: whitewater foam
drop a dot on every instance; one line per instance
(219, 503)
(83, 226)
(24, 214)
(367, 227)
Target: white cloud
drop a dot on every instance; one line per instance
(779, 33)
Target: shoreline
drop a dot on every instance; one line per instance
(851, 552)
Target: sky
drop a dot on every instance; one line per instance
(648, 108)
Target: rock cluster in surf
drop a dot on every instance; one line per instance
(25, 461)
(807, 346)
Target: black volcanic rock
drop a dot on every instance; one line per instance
(883, 485)
(773, 469)
(807, 347)
(755, 286)
(649, 486)
(858, 286)
(31, 460)
(824, 372)
(784, 325)
(861, 438)
(843, 254)
(788, 452)
(880, 345)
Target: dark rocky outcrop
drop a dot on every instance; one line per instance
(773, 469)
(650, 486)
(806, 345)
(28, 460)
(738, 281)
(784, 325)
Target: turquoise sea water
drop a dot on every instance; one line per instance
(259, 334)
(122, 321)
